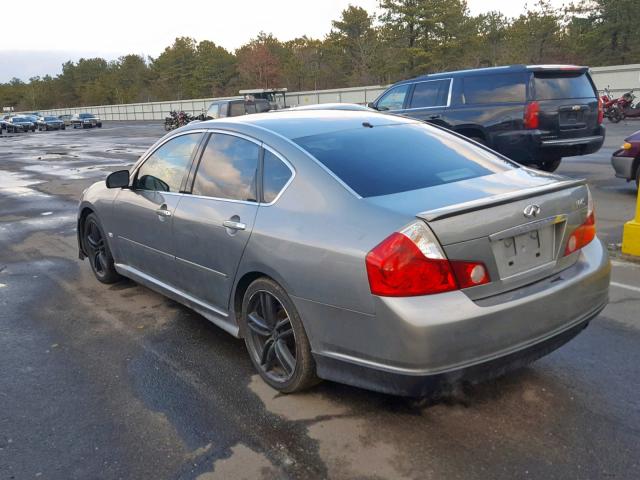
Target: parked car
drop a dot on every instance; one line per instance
(20, 124)
(332, 106)
(354, 246)
(4, 121)
(236, 107)
(626, 160)
(85, 120)
(535, 115)
(50, 123)
(66, 119)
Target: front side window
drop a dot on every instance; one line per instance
(228, 169)
(164, 170)
(393, 99)
(433, 93)
(275, 177)
(502, 88)
(214, 110)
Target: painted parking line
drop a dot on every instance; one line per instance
(625, 286)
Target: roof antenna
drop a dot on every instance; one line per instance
(367, 125)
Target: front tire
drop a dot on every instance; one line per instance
(275, 338)
(97, 250)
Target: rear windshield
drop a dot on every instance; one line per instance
(555, 86)
(86, 115)
(397, 158)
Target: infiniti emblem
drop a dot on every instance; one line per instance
(531, 210)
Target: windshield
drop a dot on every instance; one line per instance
(50, 118)
(87, 115)
(556, 86)
(396, 158)
(20, 119)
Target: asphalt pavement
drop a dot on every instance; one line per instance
(118, 382)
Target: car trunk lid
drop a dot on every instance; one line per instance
(515, 222)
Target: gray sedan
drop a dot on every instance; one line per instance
(353, 246)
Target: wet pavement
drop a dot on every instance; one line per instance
(110, 382)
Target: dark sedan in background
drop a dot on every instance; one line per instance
(20, 124)
(85, 120)
(47, 123)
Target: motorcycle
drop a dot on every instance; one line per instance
(623, 107)
(609, 105)
(177, 120)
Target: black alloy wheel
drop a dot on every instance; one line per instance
(275, 338)
(97, 251)
(272, 337)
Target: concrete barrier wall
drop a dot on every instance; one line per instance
(620, 78)
(159, 110)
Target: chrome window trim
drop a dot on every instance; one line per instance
(448, 104)
(318, 162)
(261, 144)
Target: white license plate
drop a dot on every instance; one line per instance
(524, 252)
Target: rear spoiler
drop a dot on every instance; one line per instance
(474, 205)
(557, 68)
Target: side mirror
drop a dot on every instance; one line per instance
(118, 179)
(372, 105)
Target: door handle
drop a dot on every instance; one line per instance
(434, 117)
(234, 225)
(163, 212)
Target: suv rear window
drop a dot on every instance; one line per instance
(503, 88)
(397, 158)
(554, 86)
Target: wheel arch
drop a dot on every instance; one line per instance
(85, 211)
(242, 284)
(472, 131)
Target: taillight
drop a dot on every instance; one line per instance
(585, 233)
(531, 115)
(600, 111)
(411, 262)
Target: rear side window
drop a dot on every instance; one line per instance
(396, 158)
(237, 109)
(394, 98)
(433, 93)
(228, 169)
(275, 177)
(556, 86)
(503, 88)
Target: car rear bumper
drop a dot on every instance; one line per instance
(623, 166)
(533, 146)
(413, 344)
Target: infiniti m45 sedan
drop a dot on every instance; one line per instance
(363, 248)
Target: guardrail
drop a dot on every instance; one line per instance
(159, 110)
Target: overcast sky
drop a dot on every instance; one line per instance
(37, 39)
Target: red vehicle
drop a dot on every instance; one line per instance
(626, 160)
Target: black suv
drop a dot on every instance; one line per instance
(533, 114)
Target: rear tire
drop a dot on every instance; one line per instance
(550, 165)
(480, 140)
(275, 338)
(97, 250)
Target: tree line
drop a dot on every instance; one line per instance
(405, 38)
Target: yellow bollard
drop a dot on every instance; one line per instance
(631, 233)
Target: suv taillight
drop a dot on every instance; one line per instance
(411, 262)
(531, 120)
(600, 111)
(585, 233)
